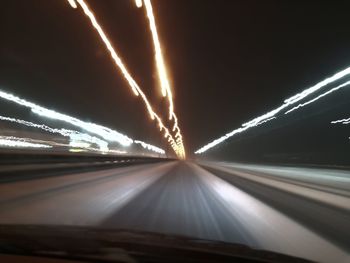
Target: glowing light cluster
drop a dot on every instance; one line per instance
(150, 147)
(11, 141)
(132, 83)
(287, 103)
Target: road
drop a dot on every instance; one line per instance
(297, 211)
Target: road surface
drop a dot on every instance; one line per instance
(296, 211)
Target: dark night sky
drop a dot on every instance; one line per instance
(229, 61)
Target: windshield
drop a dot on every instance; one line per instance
(224, 121)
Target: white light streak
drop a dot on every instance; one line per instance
(150, 147)
(83, 139)
(342, 121)
(267, 120)
(11, 141)
(104, 132)
(63, 132)
(73, 135)
(318, 97)
(79, 144)
(287, 103)
(318, 86)
(117, 151)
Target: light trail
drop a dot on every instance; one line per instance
(318, 97)
(318, 86)
(342, 121)
(287, 103)
(109, 46)
(63, 132)
(150, 147)
(11, 141)
(104, 132)
(73, 135)
(163, 78)
(138, 3)
(76, 136)
(171, 140)
(83, 137)
(267, 120)
(79, 144)
(72, 3)
(132, 83)
(162, 72)
(296, 98)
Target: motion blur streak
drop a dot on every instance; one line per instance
(63, 132)
(11, 141)
(109, 46)
(318, 97)
(104, 132)
(287, 103)
(168, 135)
(165, 86)
(318, 86)
(132, 83)
(162, 73)
(150, 147)
(138, 3)
(269, 119)
(342, 121)
(220, 203)
(73, 135)
(72, 3)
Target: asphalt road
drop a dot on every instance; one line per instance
(297, 211)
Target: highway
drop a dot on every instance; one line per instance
(303, 212)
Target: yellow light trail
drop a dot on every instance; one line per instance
(162, 73)
(132, 83)
(158, 52)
